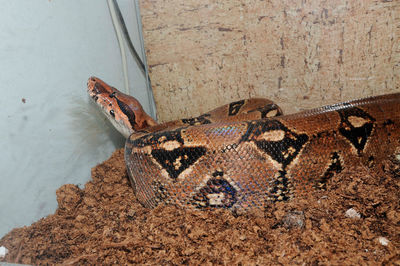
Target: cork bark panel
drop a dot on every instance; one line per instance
(300, 54)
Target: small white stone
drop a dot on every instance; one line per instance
(294, 219)
(383, 240)
(352, 213)
(3, 252)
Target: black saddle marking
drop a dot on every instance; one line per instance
(281, 188)
(358, 136)
(266, 109)
(158, 138)
(200, 120)
(178, 160)
(283, 151)
(234, 107)
(334, 167)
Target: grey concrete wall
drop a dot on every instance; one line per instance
(49, 133)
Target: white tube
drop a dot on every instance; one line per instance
(117, 28)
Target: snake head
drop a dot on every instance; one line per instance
(124, 111)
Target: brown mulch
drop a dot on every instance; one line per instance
(104, 224)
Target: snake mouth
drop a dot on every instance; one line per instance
(96, 87)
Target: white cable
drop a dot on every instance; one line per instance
(117, 28)
(150, 95)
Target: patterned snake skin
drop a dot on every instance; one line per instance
(246, 154)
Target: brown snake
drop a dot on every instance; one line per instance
(247, 154)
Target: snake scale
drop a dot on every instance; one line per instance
(248, 154)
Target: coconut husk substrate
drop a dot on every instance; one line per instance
(355, 221)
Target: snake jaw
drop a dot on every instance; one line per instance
(124, 111)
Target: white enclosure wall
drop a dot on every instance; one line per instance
(50, 134)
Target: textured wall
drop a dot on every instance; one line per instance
(301, 54)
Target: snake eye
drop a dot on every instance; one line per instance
(112, 113)
(112, 95)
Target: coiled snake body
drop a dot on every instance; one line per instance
(247, 154)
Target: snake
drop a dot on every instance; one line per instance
(248, 154)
